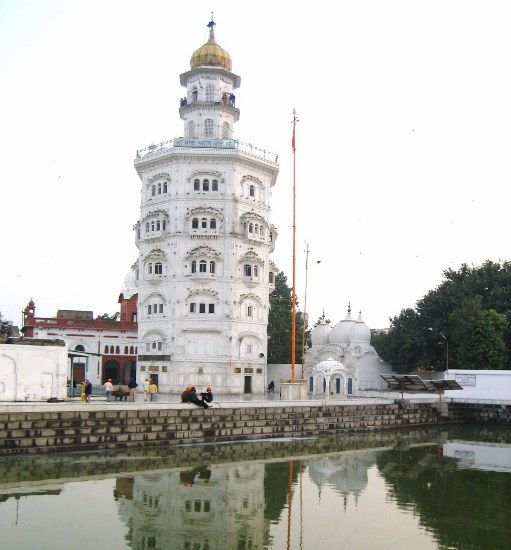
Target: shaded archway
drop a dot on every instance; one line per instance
(130, 370)
(111, 369)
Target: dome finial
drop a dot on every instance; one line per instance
(211, 27)
(349, 306)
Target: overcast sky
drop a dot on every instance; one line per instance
(403, 142)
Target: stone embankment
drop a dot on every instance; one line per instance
(77, 427)
(82, 428)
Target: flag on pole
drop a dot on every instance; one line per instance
(293, 143)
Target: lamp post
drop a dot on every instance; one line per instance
(447, 347)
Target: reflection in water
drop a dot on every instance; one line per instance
(446, 490)
(196, 509)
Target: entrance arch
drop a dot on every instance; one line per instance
(111, 370)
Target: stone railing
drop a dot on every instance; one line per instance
(165, 147)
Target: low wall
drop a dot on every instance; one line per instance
(480, 384)
(133, 425)
(479, 412)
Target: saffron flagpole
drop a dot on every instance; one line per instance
(293, 296)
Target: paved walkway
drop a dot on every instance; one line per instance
(166, 401)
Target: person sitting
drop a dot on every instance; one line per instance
(271, 386)
(195, 400)
(207, 396)
(185, 396)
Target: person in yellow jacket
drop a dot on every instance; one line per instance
(153, 390)
(83, 397)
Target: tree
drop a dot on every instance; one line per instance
(452, 309)
(483, 345)
(279, 324)
(107, 317)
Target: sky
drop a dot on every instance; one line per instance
(403, 139)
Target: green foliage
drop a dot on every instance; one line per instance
(483, 345)
(107, 317)
(279, 324)
(463, 308)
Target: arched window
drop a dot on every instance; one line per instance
(117, 350)
(270, 277)
(205, 185)
(150, 269)
(194, 95)
(250, 228)
(79, 347)
(147, 227)
(106, 349)
(214, 185)
(153, 190)
(111, 350)
(204, 223)
(152, 226)
(158, 268)
(226, 129)
(194, 266)
(203, 266)
(210, 92)
(202, 307)
(212, 223)
(165, 187)
(131, 350)
(158, 225)
(250, 311)
(196, 185)
(149, 309)
(195, 223)
(208, 127)
(251, 191)
(261, 230)
(126, 350)
(247, 270)
(159, 189)
(256, 271)
(164, 224)
(191, 129)
(212, 267)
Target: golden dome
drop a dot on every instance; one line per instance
(211, 54)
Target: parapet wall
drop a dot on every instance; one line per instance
(141, 426)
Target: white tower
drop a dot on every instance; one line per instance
(204, 238)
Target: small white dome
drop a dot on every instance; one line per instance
(361, 332)
(341, 333)
(129, 287)
(327, 366)
(319, 334)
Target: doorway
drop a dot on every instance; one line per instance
(248, 384)
(111, 370)
(350, 386)
(337, 385)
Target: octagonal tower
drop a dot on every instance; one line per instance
(204, 238)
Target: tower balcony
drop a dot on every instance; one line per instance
(207, 145)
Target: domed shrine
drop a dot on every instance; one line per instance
(341, 360)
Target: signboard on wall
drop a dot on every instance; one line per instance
(194, 142)
(465, 379)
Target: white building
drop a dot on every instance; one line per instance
(33, 370)
(204, 238)
(341, 359)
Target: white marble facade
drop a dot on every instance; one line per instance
(341, 360)
(204, 236)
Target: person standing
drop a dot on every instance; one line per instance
(146, 388)
(131, 386)
(109, 389)
(83, 397)
(153, 390)
(88, 390)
